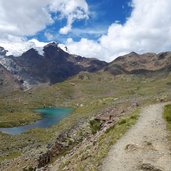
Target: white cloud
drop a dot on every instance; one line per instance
(49, 36)
(23, 18)
(63, 47)
(95, 31)
(66, 29)
(16, 46)
(147, 29)
(20, 18)
(72, 10)
(85, 46)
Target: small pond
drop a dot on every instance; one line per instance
(50, 116)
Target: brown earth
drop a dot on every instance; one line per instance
(144, 147)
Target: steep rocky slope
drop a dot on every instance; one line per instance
(134, 63)
(55, 65)
(8, 83)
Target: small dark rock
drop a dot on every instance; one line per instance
(149, 167)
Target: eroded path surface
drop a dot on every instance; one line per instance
(144, 147)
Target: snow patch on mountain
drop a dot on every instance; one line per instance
(7, 63)
(63, 47)
(18, 47)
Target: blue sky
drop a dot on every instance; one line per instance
(102, 14)
(104, 29)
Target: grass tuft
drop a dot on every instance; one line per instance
(95, 126)
(167, 115)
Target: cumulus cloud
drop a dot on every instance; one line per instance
(23, 18)
(49, 36)
(147, 29)
(72, 10)
(85, 45)
(93, 31)
(16, 46)
(19, 19)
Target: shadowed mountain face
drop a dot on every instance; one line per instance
(134, 63)
(8, 83)
(55, 65)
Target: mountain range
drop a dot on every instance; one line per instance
(93, 89)
(57, 65)
(134, 63)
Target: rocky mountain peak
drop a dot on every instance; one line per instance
(133, 54)
(3, 51)
(54, 65)
(30, 52)
(134, 63)
(52, 44)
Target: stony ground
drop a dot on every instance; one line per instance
(144, 147)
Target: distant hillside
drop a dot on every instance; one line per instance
(134, 63)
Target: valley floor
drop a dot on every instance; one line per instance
(144, 146)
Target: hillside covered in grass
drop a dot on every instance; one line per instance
(89, 94)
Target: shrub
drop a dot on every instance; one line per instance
(95, 126)
(123, 121)
(167, 113)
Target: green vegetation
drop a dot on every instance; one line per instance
(167, 115)
(12, 120)
(89, 95)
(90, 157)
(95, 126)
(11, 155)
(14, 112)
(78, 92)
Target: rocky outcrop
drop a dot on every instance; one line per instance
(2, 51)
(149, 167)
(134, 63)
(8, 83)
(47, 157)
(70, 147)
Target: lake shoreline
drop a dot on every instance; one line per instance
(49, 117)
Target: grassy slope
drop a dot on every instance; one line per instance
(167, 116)
(90, 157)
(88, 94)
(17, 108)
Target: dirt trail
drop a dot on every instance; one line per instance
(144, 147)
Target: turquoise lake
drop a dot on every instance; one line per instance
(50, 116)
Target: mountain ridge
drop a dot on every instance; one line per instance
(134, 63)
(56, 65)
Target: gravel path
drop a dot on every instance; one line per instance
(144, 147)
